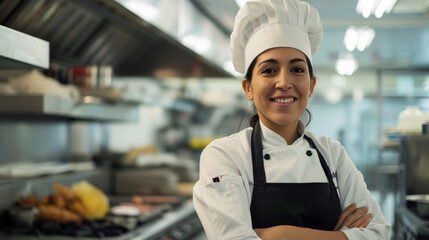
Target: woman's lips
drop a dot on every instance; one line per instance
(283, 99)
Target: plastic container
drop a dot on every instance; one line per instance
(411, 119)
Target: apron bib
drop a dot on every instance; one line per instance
(311, 205)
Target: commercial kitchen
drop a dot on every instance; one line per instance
(106, 106)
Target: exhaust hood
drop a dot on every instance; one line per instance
(100, 32)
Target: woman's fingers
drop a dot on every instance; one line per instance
(349, 210)
(366, 222)
(362, 222)
(355, 216)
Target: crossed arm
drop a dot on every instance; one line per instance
(351, 217)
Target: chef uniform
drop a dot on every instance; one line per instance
(254, 178)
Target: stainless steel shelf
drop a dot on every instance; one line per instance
(19, 50)
(38, 105)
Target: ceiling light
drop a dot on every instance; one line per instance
(346, 65)
(376, 7)
(358, 38)
(351, 38)
(366, 35)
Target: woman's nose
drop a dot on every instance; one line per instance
(283, 81)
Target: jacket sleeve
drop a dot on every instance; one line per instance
(220, 196)
(353, 189)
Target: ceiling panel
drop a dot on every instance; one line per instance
(401, 39)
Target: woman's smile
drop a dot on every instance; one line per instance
(283, 100)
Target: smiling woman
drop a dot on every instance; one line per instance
(280, 89)
(275, 179)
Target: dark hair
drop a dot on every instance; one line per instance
(248, 77)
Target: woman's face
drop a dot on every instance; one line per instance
(280, 86)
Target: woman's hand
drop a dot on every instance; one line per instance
(353, 217)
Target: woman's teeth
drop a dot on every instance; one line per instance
(283, 100)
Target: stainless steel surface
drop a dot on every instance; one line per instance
(63, 108)
(98, 32)
(414, 174)
(18, 50)
(422, 204)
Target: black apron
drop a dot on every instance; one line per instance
(311, 205)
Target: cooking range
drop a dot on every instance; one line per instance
(412, 212)
(181, 222)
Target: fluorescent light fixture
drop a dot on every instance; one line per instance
(351, 38)
(358, 38)
(241, 3)
(197, 43)
(366, 35)
(141, 9)
(346, 66)
(376, 7)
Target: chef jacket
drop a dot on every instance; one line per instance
(222, 196)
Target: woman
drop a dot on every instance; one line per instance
(275, 180)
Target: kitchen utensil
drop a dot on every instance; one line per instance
(422, 204)
(23, 215)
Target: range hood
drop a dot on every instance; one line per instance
(100, 32)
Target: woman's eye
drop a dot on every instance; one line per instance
(297, 70)
(268, 71)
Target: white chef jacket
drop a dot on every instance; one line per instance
(223, 194)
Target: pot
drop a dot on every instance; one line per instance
(422, 204)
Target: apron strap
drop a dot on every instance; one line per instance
(257, 159)
(325, 166)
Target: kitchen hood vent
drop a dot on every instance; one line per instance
(100, 32)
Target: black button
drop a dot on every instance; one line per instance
(309, 153)
(267, 156)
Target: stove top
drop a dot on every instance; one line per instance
(179, 223)
(95, 229)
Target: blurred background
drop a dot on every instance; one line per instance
(125, 94)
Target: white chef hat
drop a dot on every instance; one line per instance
(265, 24)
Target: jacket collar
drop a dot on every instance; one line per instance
(271, 139)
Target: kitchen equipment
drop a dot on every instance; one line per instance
(179, 223)
(411, 220)
(145, 181)
(23, 215)
(422, 204)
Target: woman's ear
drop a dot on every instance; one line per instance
(247, 89)
(312, 84)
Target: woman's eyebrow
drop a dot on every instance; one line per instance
(297, 60)
(271, 60)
